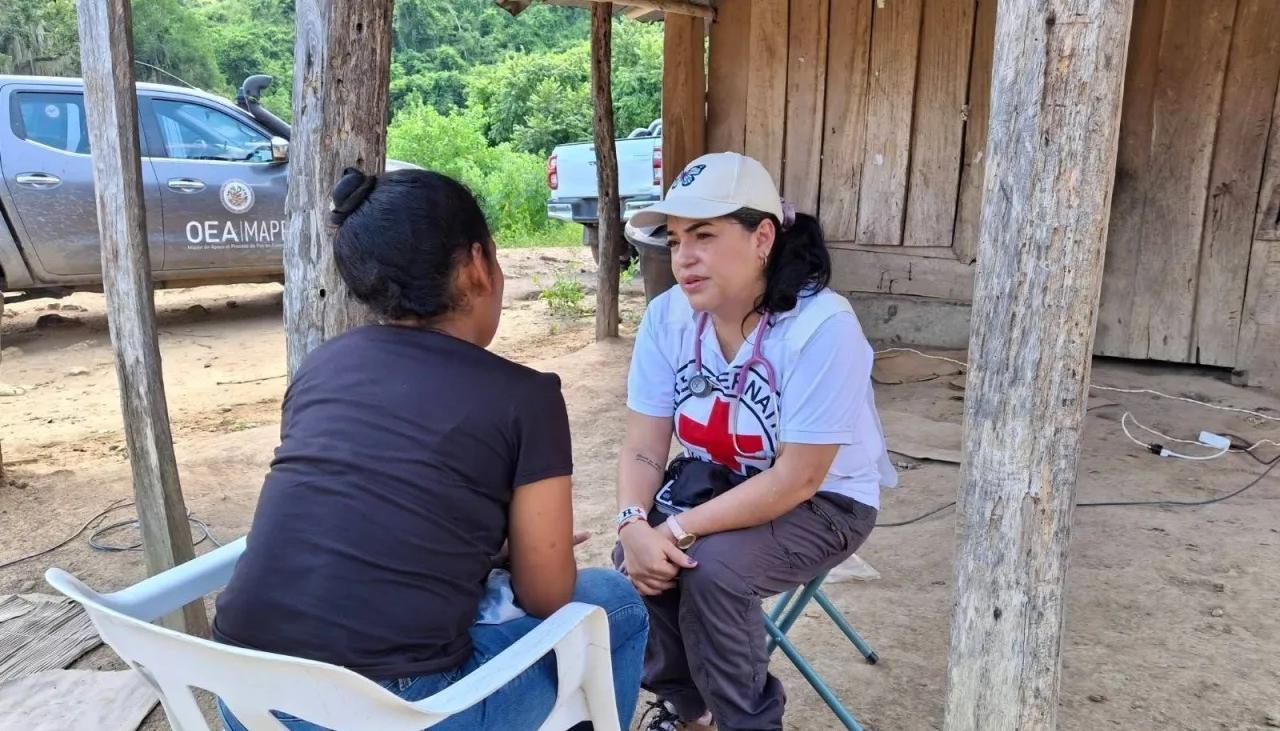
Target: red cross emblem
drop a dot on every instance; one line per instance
(716, 437)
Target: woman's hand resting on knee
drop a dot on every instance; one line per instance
(651, 559)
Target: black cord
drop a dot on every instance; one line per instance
(98, 545)
(1243, 447)
(110, 509)
(96, 520)
(916, 519)
(1182, 503)
(1124, 504)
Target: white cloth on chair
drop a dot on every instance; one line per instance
(498, 604)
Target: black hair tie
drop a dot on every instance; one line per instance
(352, 190)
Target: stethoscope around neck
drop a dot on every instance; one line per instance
(700, 385)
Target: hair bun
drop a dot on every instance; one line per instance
(351, 190)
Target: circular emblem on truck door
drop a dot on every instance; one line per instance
(237, 196)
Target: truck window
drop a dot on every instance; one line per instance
(52, 119)
(196, 132)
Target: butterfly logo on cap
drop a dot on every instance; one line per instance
(687, 177)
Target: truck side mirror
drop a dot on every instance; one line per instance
(279, 149)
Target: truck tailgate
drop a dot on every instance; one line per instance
(577, 168)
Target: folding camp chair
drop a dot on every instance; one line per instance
(779, 621)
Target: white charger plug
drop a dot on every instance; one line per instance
(1217, 441)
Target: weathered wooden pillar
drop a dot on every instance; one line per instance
(611, 240)
(684, 93)
(1055, 115)
(342, 66)
(684, 122)
(111, 108)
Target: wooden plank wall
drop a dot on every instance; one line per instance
(856, 134)
(684, 89)
(1258, 351)
(767, 83)
(1200, 87)
(876, 119)
(1248, 96)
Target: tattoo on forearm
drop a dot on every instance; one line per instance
(651, 462)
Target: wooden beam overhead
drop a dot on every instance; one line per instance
(642, 14)
(680, 7)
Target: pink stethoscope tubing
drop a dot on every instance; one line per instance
(740, 380)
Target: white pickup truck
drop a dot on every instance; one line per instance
(571, 176)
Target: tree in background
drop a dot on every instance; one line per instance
(39, 37)
(168, 35)
(252, 37)
(509, 184)
(539, 100)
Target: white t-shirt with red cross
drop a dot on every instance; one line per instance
(822, 363)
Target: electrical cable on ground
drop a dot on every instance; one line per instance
(1111, 389)
(1120, 503)
(96, 521)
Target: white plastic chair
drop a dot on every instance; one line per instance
(253, 684)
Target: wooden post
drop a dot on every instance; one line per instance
(1055, 116)
(111, 108)
(342, 66)
(684, 123)
(684, 94)
(611, 241)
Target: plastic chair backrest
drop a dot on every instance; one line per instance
(253, 683)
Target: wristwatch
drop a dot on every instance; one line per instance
(684, 541)
(629, 515)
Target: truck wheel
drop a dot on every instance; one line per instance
(591, 240)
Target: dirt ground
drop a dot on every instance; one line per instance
(1172, 618)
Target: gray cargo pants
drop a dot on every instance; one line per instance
(706, 636)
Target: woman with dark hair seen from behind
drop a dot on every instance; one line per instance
(410, 458)
(763, 375)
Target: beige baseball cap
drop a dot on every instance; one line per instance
(715, 185)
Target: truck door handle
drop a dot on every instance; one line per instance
(40, 181)
(185, 185)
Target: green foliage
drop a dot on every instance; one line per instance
(167, 34)
(39, 37)
(252, 37)
(539, 100)
(630, 272)
(510, 185)
(564, 297)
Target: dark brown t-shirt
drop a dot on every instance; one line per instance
(400, 450)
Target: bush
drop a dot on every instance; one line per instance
(564, 297)
(510, 185)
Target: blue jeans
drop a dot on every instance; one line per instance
(526, 701)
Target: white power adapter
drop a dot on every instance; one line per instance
(1217, 441)
(1206, 439)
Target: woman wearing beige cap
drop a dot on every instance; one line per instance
(763, 376)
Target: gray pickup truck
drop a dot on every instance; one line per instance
(215, 175)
